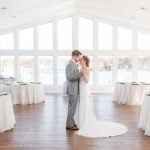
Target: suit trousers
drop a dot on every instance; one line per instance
(71, 109)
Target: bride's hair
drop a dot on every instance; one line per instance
(87, 60)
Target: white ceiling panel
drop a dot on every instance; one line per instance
(17, 12)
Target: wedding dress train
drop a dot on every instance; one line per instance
(89, 126)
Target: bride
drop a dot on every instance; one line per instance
(88, 124)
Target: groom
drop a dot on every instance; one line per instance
(73, 75)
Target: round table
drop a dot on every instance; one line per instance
(25, 93)
(7, 117)
(130, 94)
(144, 121)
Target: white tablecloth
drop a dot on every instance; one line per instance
(144, 121)
(130, 94)
(38, 93)
(7, 118)
(25, 93)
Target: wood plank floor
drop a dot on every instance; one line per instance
(42, 127)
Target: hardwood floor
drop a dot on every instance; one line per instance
(42, 127)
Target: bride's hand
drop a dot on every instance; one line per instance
(83, 71)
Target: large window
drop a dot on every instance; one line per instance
(144, 69)
(45, 36)
(104, 36)
(7, 66)
(105, 65)
(7, 41)
(26, 39)
(42, 51)
(26, 68)
(46, 70)
(85, 34)
(65, 34)
(125, 69)
(143, 41)
(62, 62)
(124, 38)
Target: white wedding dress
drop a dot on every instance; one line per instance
(88, 124)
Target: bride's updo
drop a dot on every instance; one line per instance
(87, 60)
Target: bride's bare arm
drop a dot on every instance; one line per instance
(86, 75)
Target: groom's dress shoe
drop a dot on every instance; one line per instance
(75, 125)
(72, 128)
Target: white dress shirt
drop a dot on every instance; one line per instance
(78, 65)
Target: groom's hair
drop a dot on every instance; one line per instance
(76, 53)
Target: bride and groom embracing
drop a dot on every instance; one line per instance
(78, 88)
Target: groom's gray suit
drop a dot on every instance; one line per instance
(72, 75)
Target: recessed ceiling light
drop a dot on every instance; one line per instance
(3, 8)
(133, 17)
(143, 8)
(13, 17)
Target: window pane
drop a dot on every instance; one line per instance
(124, 38)
(26, 68)
(143, 41)
(105, 65)
(46, 70)
(7, 66)
(7, 41)
(45, 36)
(144, 69)
(65, 34)
(104, 36)
(62, 62)
(26, 39)
(85, 33)
(124, 69)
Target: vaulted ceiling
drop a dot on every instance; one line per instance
(17, 12)
(131, 12)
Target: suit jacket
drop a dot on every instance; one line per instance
(72, 76)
